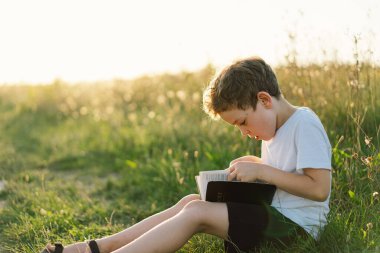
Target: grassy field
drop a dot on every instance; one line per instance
(83, 161)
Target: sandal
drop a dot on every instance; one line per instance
(59, 248)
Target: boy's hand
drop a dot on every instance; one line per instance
(247, 158)
(245, 171)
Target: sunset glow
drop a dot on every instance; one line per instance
(85, 40)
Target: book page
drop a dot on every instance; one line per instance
(214, 175)
(207, 176)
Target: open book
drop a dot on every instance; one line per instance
(213, 186)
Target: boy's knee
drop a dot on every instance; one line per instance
(191, 197)
(187, 199)
(195, 210)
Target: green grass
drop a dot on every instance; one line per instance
(85, 161)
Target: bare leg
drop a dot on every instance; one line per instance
(113, 242)
(172, 234)
(126, 236)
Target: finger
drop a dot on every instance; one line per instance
(231, 176)
(235, 161)
(228, 169)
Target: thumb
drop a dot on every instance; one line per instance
(231, 169)
(232, 175)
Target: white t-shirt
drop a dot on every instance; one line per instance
(301, 142)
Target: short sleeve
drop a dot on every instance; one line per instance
(312, 144)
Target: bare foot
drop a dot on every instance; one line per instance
(80, 247)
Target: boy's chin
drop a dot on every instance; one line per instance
(257, 138)
(260, 138)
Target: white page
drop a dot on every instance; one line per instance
(207, 176)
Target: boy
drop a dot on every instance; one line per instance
(295, 156)
(295, 150)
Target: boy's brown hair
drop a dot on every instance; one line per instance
(237, 85)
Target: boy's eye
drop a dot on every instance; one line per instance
(242, 123)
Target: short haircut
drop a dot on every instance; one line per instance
(237, 85)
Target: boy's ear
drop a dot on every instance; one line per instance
(265, 99)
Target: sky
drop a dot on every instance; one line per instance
(89, 40)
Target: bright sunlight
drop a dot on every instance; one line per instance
(86, 40)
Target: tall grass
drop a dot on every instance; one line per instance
(84, 161)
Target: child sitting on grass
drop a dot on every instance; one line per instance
(295, 156)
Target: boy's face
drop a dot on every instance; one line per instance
(259, 124)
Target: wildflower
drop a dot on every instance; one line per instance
(356, 84)
(367, 140)
(176, 165)
(367, 160)
(353, 83)
(170, 151)
(369, 226)
(151, 114)
(43, 212)
(180, 180)
(355, 155)
(181, 95)
(196, 153)
(375, 195)
(131, 164)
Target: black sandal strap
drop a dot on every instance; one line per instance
(58, 248)
(93, 246)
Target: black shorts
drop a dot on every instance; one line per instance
(252, 225)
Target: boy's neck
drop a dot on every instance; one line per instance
(284, 111)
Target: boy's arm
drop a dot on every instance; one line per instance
(314, 184)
